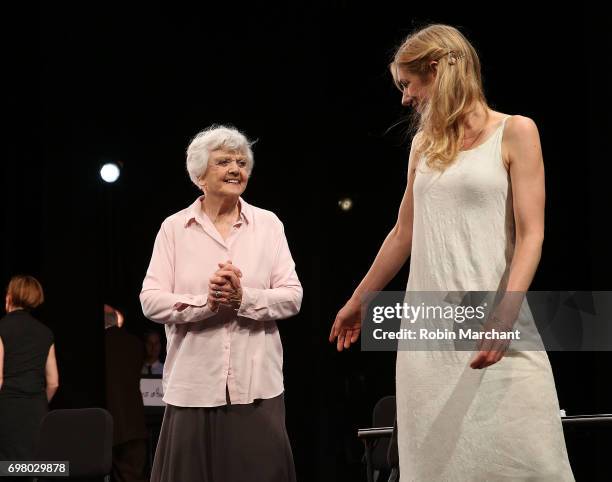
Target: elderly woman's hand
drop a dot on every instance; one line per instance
(224, 287)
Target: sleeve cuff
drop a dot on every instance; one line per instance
(195, 301)
(248, 298)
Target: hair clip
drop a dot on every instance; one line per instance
(453, 57)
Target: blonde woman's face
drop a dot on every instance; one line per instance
(415, 90)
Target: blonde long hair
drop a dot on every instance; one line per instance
(456, 90)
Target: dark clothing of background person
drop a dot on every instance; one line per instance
(23, 397)
(124, 360)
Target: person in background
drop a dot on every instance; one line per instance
(28, 370)
(124, 359)
(152, 365)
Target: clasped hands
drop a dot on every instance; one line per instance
(224, 287)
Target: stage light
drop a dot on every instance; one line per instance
(345, 204)
(110, 172)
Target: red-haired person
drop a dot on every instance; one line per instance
(28, 370)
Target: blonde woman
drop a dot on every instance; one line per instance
(471, 219)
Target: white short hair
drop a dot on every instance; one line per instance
(210, 139)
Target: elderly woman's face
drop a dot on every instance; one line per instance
(226, 173)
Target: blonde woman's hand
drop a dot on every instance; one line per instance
(493, 350)
(347, 325)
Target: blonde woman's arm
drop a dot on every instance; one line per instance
(526, 165)
(392, 255)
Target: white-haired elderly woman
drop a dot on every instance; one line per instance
(220, 276)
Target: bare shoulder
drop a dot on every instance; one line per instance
(519, 125)
(416, 140)
(415, 146)
(520, 134)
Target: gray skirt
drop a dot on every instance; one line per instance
(230, 443)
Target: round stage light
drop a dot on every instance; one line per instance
(345, 204)
(110, 172)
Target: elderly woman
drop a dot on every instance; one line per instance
(28, 370)
(220, 276)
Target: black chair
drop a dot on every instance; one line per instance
(379, 447)
(82, 437)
